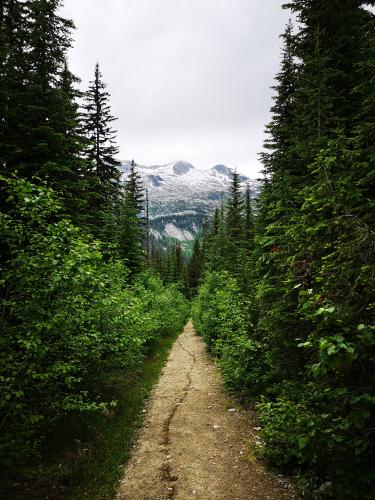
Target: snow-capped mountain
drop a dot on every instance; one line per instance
(181, 195)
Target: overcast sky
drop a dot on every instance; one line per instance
(189, 79)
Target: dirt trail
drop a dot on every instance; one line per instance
(194, 444)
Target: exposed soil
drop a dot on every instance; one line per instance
(195, 442)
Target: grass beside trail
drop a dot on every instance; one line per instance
(86, 459)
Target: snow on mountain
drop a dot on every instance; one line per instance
(181, 195)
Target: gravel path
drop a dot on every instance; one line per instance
(195, 443)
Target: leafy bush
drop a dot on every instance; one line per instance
(219, 315)
(218, 311)
(321, 432)
(69, 316)
(314, 422)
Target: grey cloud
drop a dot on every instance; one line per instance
(189, 79)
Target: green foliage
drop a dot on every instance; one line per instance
(102, 149)
(218, 311)
(133, 231)
(297, 332)
(76, 311)
(320, 432)
(68, 318)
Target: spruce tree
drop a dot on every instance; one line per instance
(273, 312)
(14, 64)
(234, 223)
(75, 186)
(194, 268)
(43, 127)
(308, 246)
(248, 235)
(102, 151)
(128, 237)
(178, 264)
(216, 242)
(132, 221)
(147, 228)
(364, 127)
(15, 68)
(309, 354)
(134, 187)
(40, 128)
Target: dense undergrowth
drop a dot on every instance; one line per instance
(287, 295)
(292, 328)
(71, 317)
(315, 422)
(83, 455)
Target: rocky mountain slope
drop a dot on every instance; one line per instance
(181, 195)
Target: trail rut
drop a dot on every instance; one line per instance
(194, 443)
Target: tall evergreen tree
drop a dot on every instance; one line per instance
(134, 187)
(42, 147)
(147, 228)
(234, 223)
(97, 120)
(14, 69)
(248, 235)
(215, 241)
(195, 267)
(128, 237)
(132, 222)
(40, 128)
(310, 352)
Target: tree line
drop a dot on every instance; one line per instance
(80, 302)
(286, 300)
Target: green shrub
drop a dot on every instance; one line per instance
(69, 317)
(320, 432)
(317, 422)
(219, 311)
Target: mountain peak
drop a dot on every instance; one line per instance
(181, 196)
(222, 169)
(182, 167)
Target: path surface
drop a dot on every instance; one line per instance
(193, 443)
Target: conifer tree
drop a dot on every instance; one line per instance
(234, 223)
(97, 120)
(284, 172)
(215, 243)
(134, 187)
(205, 237)
(128, 238)
(76, 184)
(132, 222)
(14, 64)
(364, 128)
(40, 133)
(278, 156)
(248, 235)
(177, 263)
(210, 242)
(147, 228)
(44, 135)
(194, 268)
(309, 353)
(336, 27)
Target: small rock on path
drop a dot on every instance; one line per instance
(193, 445)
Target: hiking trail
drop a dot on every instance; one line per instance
(195, 442)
